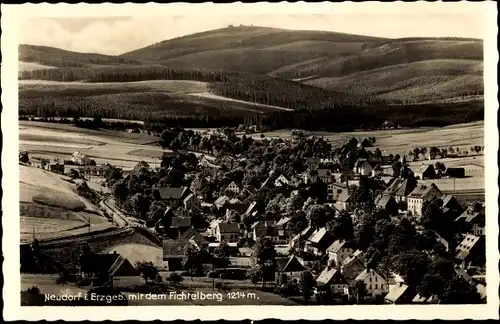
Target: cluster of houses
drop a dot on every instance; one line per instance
(79, 162)
(346, 262)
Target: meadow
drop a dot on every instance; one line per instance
(49, 206)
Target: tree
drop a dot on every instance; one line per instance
(317, 216)
(84, 257)
(298, 222)
(359, 290)
(412, 266)
(416, 152)
(307, 284)
(460, 291)
(120, 191)
(175, 279)
(192, 261)
(343, 228)
(265, 255)
(24, 157)
(222, 254)
(140, 204)
(74, 174)
(148, 270)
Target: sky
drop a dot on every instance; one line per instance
(116, 35)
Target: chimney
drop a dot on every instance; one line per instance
(115, 253)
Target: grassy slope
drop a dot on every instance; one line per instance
(442, 78)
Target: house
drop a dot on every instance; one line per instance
(212, 227)
(335, 189)
(288, 269)
(235, 187)
(325, 175)
(400, 188)
(239, 208)
(319, 241)
(180, 224)
(229, 232)
(425, 172)
(174, 196)
(267, 184)
(341, 197)
(234, 201)
(221, 201)
(471, 251)
(194, 237)
(248, 191)
(352, 267)
(173, 253)
(251, 208)
(418, 299)
(400, 295)
(339, 251)
(190, 202)
(110, 268)
(421, 194)
(472, 221)
(282, 180)
(141, 165)
(333, 279)
(386, 202)
(377, 171)
(40, 163)
(59, 168)
(282, 225)
(455, 172)
(359, 164)
(452, 203)
(366, 169)
(375, 283)
(265, 231)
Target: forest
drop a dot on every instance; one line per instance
(314, 108)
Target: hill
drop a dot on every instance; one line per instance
(251, 70)
(334, 61)
(55, 57)
(412, 82)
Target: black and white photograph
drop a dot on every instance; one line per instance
(221, 157)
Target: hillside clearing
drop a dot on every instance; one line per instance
(28, 66)
(209, 95)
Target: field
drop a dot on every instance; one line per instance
(401, 141)
(121, 149)
(49, 207)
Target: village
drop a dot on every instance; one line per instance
(304, 219)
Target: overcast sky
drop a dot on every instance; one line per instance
(116, 35)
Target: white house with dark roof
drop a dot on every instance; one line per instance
(339, 251)
(229, 232)
(288, 269)
(333, 278)
(375, 283)
(235, 187)
(318, 242)
(190, 202)
(471, 251)
(421, 194)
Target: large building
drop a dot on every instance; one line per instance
(421, 194)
